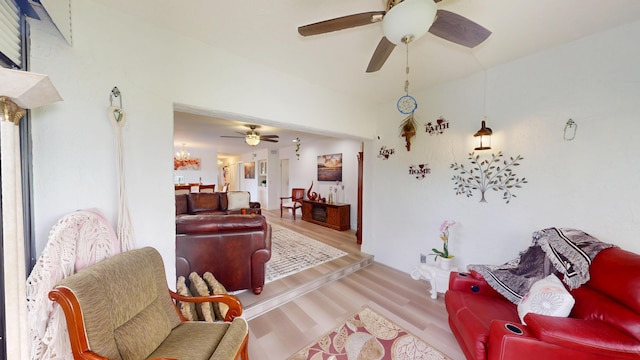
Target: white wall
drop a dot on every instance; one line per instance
(73, 144)
(590, 183)
(208, 172)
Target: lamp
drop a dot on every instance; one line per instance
(484, 137)
(252, 139)
(20, 90)
(408, 18)
(183, 154)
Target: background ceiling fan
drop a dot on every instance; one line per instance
(404, 21)
(252, 137)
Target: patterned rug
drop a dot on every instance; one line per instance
(368, 336)
(292, 252)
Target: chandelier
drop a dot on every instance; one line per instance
(183, 154)
(252, 139)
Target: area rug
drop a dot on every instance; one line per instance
(292, 252)
(368, 336)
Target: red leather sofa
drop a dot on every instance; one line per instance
(604, 322)
(234, 248)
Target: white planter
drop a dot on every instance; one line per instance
(445, 263)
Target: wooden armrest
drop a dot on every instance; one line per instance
(235, 307)
(75, 324)
(285, 197)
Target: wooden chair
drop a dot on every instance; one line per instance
(121, 305)
(292, 202)
(182, 189)
(208, 188)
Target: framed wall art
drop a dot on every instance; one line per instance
(250, 170)
(330, 167)
(186, 164)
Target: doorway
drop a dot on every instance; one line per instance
(284, 178)
(240, 176)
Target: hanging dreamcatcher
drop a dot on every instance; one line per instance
(407, 104)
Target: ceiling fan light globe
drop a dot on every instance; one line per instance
(410, 17)
(252, 139)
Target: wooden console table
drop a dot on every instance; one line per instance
(332, 215)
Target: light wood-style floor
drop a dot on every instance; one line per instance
(282, 331)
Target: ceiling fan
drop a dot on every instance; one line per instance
(252, 137)
(402, 22)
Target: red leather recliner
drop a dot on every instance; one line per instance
(604, 322)
(234, 248)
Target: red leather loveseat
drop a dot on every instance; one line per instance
(604, 322)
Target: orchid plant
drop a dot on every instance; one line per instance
(444, 236)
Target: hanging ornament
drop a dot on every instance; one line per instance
(407, 104)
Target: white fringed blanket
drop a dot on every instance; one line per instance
(569, 251)
(78, 240)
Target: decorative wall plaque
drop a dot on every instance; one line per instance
(494, 174)
(384, 153)
(438, 127)
(420, 171)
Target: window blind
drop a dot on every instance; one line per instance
(10, 39)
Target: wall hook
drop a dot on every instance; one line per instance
(115, 92)
(570, 130)
(116, 111)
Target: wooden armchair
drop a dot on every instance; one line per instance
(292, 202)
(121, 308)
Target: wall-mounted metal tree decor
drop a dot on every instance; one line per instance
(494, 174)
(420, 171)
(438, 127)
(385, 153)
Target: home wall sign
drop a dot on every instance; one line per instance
(494, 174)
(438, 127)
(385, 152)
(420, 171)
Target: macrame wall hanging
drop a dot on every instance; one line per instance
(124, 230)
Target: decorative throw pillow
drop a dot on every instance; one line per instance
(199, 288)
(217, 288)
(188, 309)
(238, 200)
(546, 297)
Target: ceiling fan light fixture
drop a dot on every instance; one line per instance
(410, 17)
(252, 139)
